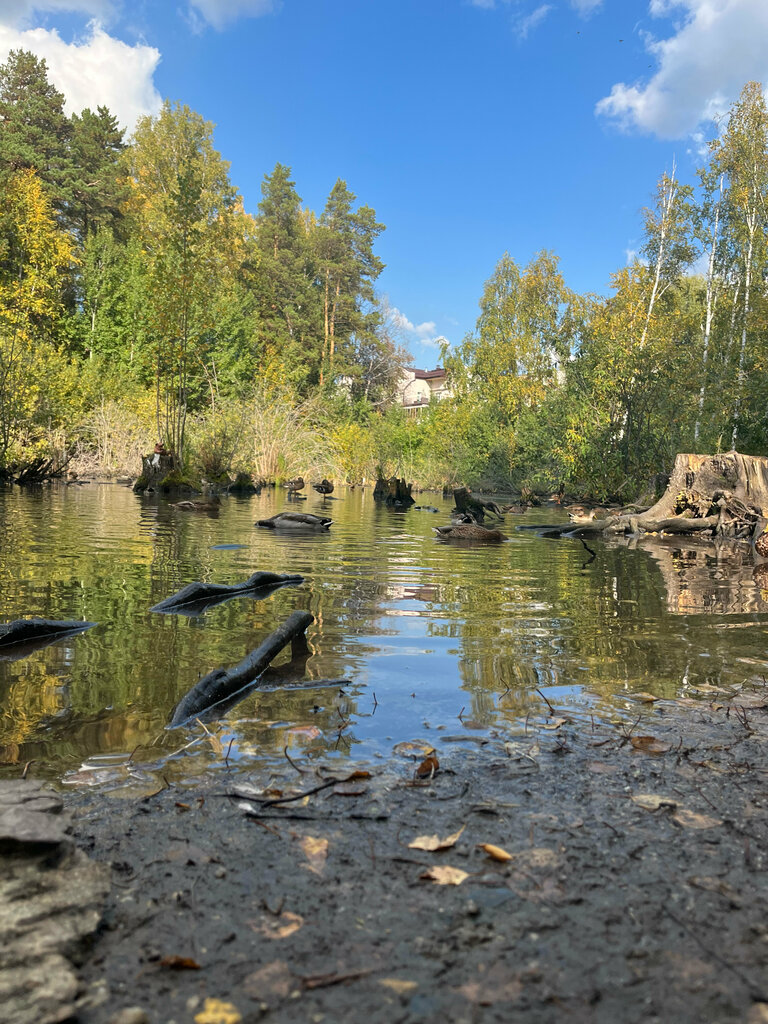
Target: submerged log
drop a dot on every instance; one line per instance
(196, 597)
(222, 684)
(23, 636)
(466, 501)
(725, 495)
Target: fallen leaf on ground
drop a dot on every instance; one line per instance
(316, 852)
(444, 875)
(180, 963)
(495, 852)
(279, 927)
(650, 745)
(716, 885)
(413, 747)
(215, 1011)
(273, 980)
(431, 843)
(399, 985)
(690, 819)
(652, 801)
(428, 767)
(601, 768)
(643, 697)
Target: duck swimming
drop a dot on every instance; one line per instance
(469, 531)
(296, 521)
(212, 505)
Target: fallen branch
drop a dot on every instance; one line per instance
(222, 683)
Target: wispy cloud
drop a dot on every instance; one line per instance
(525, 24)
(716, 47)
(97, 69)
(220, 13)
(21, 12)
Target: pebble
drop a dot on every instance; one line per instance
(129, 1015)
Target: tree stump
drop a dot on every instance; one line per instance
(393, 491)
(466, 501)
(160, 475)
(724, 495)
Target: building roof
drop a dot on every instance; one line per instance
(428, 374)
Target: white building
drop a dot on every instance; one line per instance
(418, 388)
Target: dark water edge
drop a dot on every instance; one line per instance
(436, 639)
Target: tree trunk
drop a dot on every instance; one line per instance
(724, 495)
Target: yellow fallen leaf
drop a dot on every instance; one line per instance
(652, 801)
(444, 875)
(431, 843)
(413, 747)
(690, 819)
(399, 985)
(215, 1011)
(495, 852)
(279, 927)
(316, 851)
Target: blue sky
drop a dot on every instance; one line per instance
(472, 127)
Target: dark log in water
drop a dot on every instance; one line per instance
(196, 597)
(223, 683)
(23, 636)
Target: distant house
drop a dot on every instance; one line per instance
(418, 388)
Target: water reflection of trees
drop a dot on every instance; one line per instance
(522, 616)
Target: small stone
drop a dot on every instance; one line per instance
(220, 873)
(129, 1015)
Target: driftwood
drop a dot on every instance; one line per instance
(195, 598)
(23, 636)
(466, 501)
(393, 491)
(222, 684)
(723, 495)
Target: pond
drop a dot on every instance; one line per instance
(437, 641)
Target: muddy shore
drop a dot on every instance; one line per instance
(629, 883)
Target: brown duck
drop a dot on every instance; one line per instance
(469, 531)
(212, 505)
(297, 484)
(324, 487)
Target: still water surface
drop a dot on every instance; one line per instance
(435, 639)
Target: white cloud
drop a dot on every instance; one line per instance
(97, 70)
(220, 13)
(424, 334)
(717, 47)
(19, 12)
(525, 24)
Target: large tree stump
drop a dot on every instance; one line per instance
(466, 501)
(393, 491)
(724, 495)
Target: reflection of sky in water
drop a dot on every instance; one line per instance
(435, 631)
